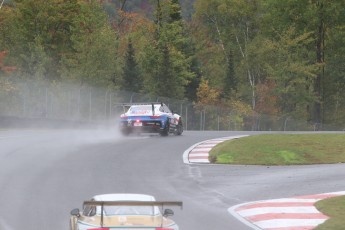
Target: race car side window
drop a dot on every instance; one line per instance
(161, 109)
(166, 109)
(89, 210)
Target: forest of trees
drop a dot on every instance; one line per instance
(278, 58)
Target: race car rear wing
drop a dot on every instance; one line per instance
(134, 203)
(141, 103)
(131, 203)
(124, 105)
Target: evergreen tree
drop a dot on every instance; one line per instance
(158, 19)
(131, 75)
(230, 82)
(171, 66)
(313, 23)
(166, 82)
(193, 84)
(175, 11)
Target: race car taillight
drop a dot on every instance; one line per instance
(123, 116)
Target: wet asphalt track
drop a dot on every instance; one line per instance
(45, 174)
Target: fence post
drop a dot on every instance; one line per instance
(218, 119)
(181, 109)
(218, 122)
(110, 105)
(46, 109)
(24, 100)
(79, 98)
(69, 103)
(200, 120)
(105, 105)
(285, 122)
(204, 120)
(186, 117)
(131, 101)
(51, 105)
(90, 105)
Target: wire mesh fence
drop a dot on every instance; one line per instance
(90, 104)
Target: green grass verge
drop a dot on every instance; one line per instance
(281, 149)
(335, 209)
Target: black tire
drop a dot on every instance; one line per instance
(179, 129)
(125, 132)
(165, 131)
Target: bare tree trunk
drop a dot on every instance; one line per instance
(244, 54)
(251, 76)
(214, 20)
(320, 59)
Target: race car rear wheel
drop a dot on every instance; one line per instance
(179, 129)
(125, 132)
(165, 131)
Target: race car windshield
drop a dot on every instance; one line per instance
(140, 110)
(130, 210)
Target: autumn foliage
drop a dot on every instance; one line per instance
(267, 100)
(206, 94)
(2, 65)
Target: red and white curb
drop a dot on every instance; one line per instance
(296, 213)
(199, 152)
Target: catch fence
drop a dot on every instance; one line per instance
(98, 105)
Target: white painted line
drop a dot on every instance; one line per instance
(213, 142)
(264, 210)
(9, 137)
(281, 223)
(201, 149)
(220, 140)
(285, 200)
(199, 161)
(198, 151)
(206, 146)
(335, 193)
(198, 154)
(232, 212)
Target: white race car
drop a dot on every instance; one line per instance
(123, 211)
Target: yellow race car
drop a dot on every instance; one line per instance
(124, 212)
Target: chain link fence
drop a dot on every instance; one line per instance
(97, 105)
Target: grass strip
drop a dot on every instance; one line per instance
(281, 149)
(335, 209)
